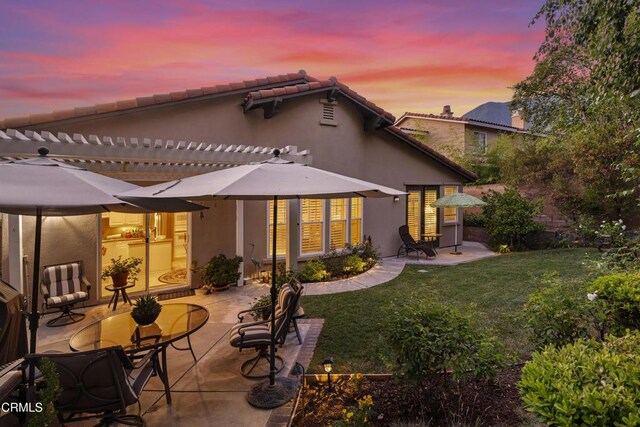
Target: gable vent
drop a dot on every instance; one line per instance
(328, 113)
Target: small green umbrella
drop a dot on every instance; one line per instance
(457, 200)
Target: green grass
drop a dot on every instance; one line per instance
(495, 289)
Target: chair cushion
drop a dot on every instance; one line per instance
(299, 313)
(59, 301)
(254, 336)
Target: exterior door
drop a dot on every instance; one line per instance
(422, 219)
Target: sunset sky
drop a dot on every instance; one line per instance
(402, 55)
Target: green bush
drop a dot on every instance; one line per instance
(612, 233)
(620, 295)
(365, 250)
(220, 271)
(473, 220)
(313, 271)
(334, 262)
(353, 264)
(427, 339)
(585, 383)
(559, 313)
(509, 217)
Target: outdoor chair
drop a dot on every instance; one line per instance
(410, 245)
(64, 285)
(257, 335)
(100, 384)
(297, 315)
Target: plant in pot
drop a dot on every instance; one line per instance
(146, 310)
(122, 270)
(220, 272)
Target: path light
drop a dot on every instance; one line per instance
(327, 364)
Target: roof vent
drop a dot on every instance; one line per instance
(328, 113)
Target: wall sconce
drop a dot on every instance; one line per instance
(327, 365)
(396, 198)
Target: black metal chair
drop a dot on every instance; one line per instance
(410, 245)
(100, 384)
(64, 285)
(257, 335)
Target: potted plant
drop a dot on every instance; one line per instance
(220, 272)
(146, 310)
(122, 271)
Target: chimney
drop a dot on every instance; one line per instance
(517, 121)
(446, 112)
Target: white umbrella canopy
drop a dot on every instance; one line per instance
(262, 181)
(272, 179)
(42, 186)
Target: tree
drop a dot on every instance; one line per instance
(584, 94)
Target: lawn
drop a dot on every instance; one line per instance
(495, 289)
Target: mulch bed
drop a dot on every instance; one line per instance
(438, 402)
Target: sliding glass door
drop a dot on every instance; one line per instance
(158, 239)
(422, 219)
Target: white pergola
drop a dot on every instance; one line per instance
(138, 160)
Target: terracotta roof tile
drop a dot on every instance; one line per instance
(459, 119)
(37, 119)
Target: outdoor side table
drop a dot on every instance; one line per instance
(120, 290)
(176, 322)
(431, 238)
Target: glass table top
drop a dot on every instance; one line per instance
(176, 321)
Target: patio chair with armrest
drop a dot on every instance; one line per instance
(298, 313)
(410, 245)
(100, 384)
(257, 335)
(63, 286)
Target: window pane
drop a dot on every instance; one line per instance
(430, 213)
(311, 238)
(356, 207)
(338, 234)
(356, 231)
(413, 214)
(338, 209)
(283, 230)
(312, 210)
(450, 214)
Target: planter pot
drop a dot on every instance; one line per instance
(120, 280)
(145, 319)
(216, 288)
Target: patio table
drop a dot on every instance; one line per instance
(431, 238)
(176, 322)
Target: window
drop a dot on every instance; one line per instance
(413, 214)
(338, 227)
(450, 214)
(356, 220)
(480, 139)
(311, 226)
(430, 213)
(282, 229)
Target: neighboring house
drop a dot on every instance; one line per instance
(457, 136)
(331, 126)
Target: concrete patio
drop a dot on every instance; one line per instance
(210, 391)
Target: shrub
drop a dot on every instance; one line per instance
(353, 264)
(620, 259)
(365, 250)
(585, 383)
(612, 233)
(620, 295)
(360, 415)
(334, 262)
(431, 338)
(559, 313)
(473, 220)
(509, 217)
(220, 271)
(314, 271)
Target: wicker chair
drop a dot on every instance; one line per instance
(64, 285)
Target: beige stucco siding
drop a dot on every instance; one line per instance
(444, 136)
(346, 149)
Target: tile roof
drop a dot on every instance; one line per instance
(145, 101)
(396, 131)
(458, 119)
(318, 85)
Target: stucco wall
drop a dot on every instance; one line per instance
(347, 149)
(443, 136)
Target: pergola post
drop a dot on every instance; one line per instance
(240, 237)
(16, 267)
(293, 244)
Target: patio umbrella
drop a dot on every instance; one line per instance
(457, 200)
(272, 179)
(42, 186)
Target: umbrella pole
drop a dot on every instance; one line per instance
(272, 357)
(33, 316)
(455, 243)
(269, 394)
